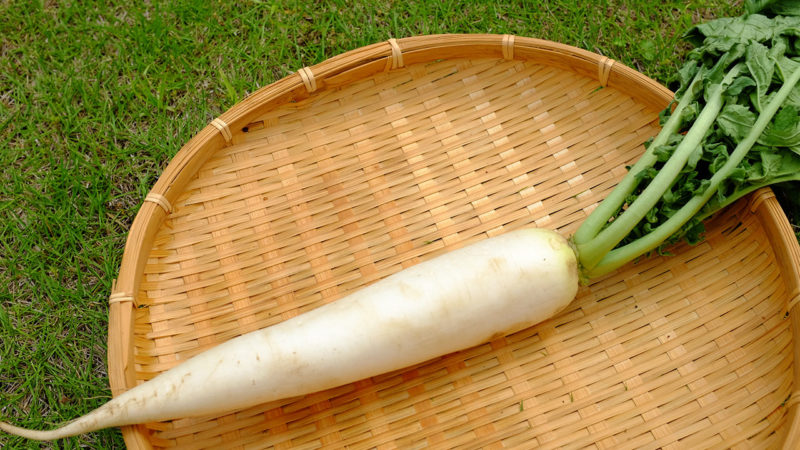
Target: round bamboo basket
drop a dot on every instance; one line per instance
(376, 159)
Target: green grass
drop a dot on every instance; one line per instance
(95, 99)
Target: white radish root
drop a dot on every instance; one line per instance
(454, 301)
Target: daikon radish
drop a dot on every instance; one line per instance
(454, 301)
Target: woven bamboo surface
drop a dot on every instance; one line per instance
(374, 160)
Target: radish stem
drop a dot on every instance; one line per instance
(593, 251)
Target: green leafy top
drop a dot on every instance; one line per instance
(773, 7)
(733, 127)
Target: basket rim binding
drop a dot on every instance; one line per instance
(365, 61)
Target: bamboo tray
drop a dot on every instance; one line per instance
(373, 160)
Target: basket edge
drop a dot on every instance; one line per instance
(765, 205)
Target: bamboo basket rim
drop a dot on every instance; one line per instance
(357, 64)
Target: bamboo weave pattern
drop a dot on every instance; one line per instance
(328, 193)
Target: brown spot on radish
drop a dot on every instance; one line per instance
(407, 290)
(497, 264)
(556, 243)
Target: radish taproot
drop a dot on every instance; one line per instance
(456, 300)
(734, 128)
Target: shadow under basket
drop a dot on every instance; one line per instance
(376, 159)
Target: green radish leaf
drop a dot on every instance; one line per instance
(765, 100)
(761, 67)
(784, 130)
(647, 174)
(755, 6)
(780, 7)
(738, 85)
(688, 114)
(754, 27)
(735, 121)
(687, 72)
(695, 231)
(794, 97)
(758, 27)
(719, 46)
(739, 175)
(715, 29)
(770, 163)
(751, 171)
(786, 67)
(786, 118)
(779, 45)
(713, 150)
(788, 170)
(773, 7)
(701, 187)
(652, 215)
(717, 163)
(789, 166)
(664, 151)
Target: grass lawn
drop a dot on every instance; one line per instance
(95, 99)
